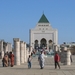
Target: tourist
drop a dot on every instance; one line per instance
(29, 62)
(31, 53)
(57, 59)
(8, 54)
(41, 60)
(6, 60)
(9, 59)
(12, 59)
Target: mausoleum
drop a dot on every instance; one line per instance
(43, 35)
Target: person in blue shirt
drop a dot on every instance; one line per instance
(29, 61)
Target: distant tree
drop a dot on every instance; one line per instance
(27, 45)
(64, 42)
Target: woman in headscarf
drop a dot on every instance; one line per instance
(6, 60)
(12, 59)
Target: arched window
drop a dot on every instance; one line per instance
(50, 44)
(50, 41)
(36, 43)
(43, 42)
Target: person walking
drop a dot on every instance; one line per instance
(57, 59)
(12, 59)
(29, 61)
(41, 60)
(6, 60)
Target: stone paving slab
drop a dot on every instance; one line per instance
(35, 70)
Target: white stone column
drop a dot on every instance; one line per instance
(32, 45)
(59, 48)
(9, 47)
(67, 58)
(31, 49)
(17, 50)
(55, 48)
(22, 51)
(6, 48)
(47, 45)
(1, 48)
(27, 52)
(25, 56)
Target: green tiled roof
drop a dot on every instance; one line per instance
(43, 19)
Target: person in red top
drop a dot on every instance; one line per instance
(12, 59)
(57, 59)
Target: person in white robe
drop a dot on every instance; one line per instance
(41, 60)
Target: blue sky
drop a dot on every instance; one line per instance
(18, 16)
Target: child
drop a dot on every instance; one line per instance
(29, 62)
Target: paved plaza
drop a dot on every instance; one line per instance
(35, 70)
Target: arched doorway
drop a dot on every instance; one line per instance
(36, 44)
(50, 45)
(43, 42)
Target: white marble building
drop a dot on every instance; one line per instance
(43, 35)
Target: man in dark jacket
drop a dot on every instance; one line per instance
(57, 59)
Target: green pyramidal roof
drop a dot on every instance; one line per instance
(43, 19)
